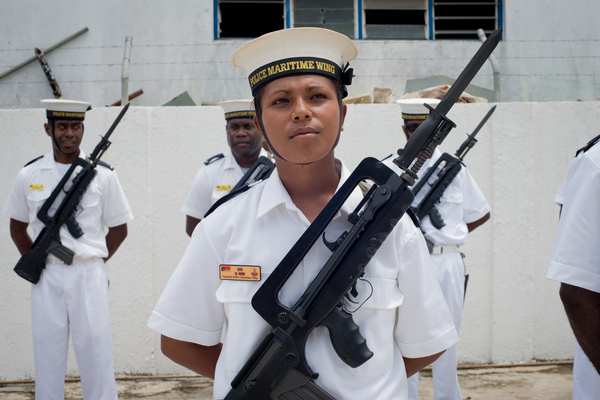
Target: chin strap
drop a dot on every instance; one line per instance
(54, 137)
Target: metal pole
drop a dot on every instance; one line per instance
(125, 72)
(495, 68)
(48, 50)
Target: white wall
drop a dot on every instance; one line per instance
(548, 53)
(512, 312)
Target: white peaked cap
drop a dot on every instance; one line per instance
(415, 108)
(295, 51)
(65, 109)
(238, 108)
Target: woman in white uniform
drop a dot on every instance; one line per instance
(204, 314)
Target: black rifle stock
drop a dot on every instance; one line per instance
(30, 265)
(278, 368)
(451, 166)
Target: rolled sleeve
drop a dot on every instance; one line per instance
(188, 309)
(424, 324)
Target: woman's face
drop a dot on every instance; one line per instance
(302, 118)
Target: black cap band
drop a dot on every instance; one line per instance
(77, 116)
(239, 114)
(295, 66)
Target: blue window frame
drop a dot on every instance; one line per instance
(360, 19)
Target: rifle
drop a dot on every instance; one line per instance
(30, 265)
(259, 171)
(445, 176)
(278, 368)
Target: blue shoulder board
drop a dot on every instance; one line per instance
(214, 158)
(34, 160)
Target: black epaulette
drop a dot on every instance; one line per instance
(105, 165)
(588, 145)
(34, 160)
(214, 158)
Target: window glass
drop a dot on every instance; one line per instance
(249, 18)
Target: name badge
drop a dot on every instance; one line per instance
(239, 272)
(223, 188)
(36, 187)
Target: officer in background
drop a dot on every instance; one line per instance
(463, 208)
(574, 263)
(70, 298)
(222, 172)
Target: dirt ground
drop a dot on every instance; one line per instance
(547, 381)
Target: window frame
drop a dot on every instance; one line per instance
(359, 19)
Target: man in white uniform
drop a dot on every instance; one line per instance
(574, 263)
(204, 315)
(462, 208)
(70, 298)
(222, 172)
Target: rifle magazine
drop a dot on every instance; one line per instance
(310, 391)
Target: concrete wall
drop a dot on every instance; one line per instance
(548, 53)
(512, 312)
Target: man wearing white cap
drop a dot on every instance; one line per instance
(574, 263)
(462, 208)
(70, 298)
(222, 172)
(298, 79)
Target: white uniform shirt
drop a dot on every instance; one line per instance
(103, 205)
(576, 251)
(462, 203)
(212, 182)
(406, 315)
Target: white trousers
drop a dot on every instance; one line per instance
(450, 271)
(72, 298)
(586, 380)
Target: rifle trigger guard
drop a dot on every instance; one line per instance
(334, 245)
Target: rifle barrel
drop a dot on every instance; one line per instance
(470, 142)
(95, 156)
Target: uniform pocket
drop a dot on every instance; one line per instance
(245, 327)
(452, 195)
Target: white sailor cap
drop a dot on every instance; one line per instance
(415, 108)
(238, 109)
(296, 51)
(66, 109)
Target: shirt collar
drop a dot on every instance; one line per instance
(230, 161)
(275, 194)
(48, 159)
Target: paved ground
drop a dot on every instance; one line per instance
(526, 382)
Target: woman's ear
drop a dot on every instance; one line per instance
(344, 111)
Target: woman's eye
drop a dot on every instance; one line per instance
(279, 101)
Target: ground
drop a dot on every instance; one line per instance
(537, 381)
